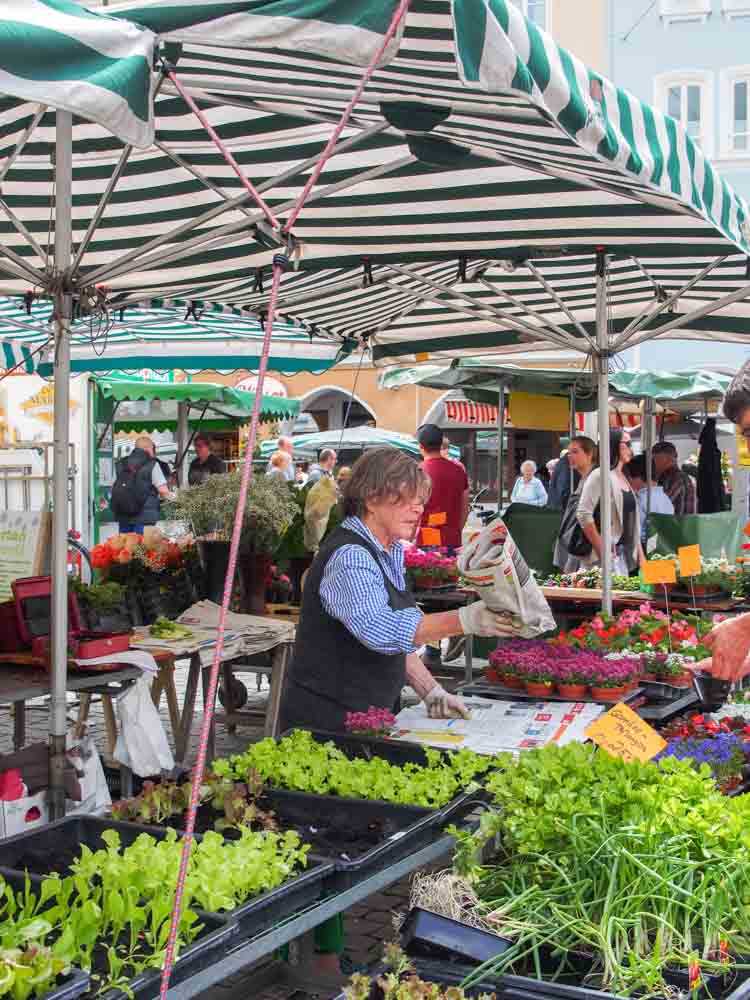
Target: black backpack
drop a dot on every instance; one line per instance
(132, 486)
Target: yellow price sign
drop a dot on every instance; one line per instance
(624, 734)
(657, 571)
(690, 560)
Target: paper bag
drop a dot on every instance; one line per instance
(492, 564)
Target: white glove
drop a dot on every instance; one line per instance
(441, 705)
(477, 619)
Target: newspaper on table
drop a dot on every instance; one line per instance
(245, 635)
(500, 726)
(494, 567)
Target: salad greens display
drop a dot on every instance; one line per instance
(632, 871)
(300, 763)
(111, 915)
(163, 628)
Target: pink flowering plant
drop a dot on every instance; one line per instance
(373, 722)
(435, 565)
(537, 660)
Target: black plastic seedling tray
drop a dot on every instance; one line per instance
(212, 943)
(397, 752)
(429, 935)
(74, 985)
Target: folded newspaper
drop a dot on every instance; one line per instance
(492, 564)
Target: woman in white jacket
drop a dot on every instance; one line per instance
(626, 528)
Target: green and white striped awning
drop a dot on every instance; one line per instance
(461, 212)
(161, 337)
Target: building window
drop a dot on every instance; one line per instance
(535, 10)
(735, 111)
(735, 9)
(687, 97)
(684, 10)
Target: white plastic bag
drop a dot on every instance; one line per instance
(92, 794)
(142, 743)
(492, 564)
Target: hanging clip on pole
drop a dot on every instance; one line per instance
(367, 278)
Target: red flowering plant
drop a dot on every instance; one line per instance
(127, 558)
(641, 630)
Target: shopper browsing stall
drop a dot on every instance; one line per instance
(359, 627)
(579, 462)
(528, 488)
(205, 463)
(626, 522)
(651, 499)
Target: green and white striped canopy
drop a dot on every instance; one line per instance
(163, 336)
(461, 212)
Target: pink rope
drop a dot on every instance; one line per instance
(279, 264)
(398, 16)
(248, 185)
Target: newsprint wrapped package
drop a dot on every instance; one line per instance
(492, 564)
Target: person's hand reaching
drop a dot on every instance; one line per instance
(477, 619)
(441, 705)
(729, 643)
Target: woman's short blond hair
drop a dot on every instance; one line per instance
(384, 474)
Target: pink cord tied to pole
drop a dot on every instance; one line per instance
(280, 264)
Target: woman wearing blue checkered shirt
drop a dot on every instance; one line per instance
(359, 627)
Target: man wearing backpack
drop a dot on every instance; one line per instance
(139, 488)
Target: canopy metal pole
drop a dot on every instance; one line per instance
(602, 368)
(647, 436)
(572, 434)
(500, 445)
(62, 315)
(182, 437)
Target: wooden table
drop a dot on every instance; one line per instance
(24, 677)
(274, 662)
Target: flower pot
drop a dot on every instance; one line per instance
(608, 694)
(572, 692)
(215, 558)
(424, 582)
(492, 675)
(649, 677)
(539, 689)
(512, 681)
(254, 569)
(683, 680)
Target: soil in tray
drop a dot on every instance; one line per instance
(325, 838)
(42, 861)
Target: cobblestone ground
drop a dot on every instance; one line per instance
(367, 925)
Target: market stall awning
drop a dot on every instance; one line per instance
(351, 439)
(214, 406)
(460, 211)
(162, 337)
(673, 387)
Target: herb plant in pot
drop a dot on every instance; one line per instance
(210, 507)
(675, 671)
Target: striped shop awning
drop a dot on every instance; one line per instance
(460, 213)
(464, 412)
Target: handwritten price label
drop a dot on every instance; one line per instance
(624, 734)
(690, 560)
(659, 571)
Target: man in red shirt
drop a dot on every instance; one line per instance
(450, 488)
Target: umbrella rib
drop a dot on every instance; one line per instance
(225, 206)
(712, 307)
(22, 140)
(206, 181)
(100, 208)
(23, 232)
(19, 268)
(495, 315)
(557, 297)
(659, 307)
(528, 308)
(498, 314)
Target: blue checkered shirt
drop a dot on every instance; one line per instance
(353, 592)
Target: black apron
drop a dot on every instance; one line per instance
(331, 672)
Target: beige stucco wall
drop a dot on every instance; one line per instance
(581, 27)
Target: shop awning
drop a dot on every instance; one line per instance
(216, 406)
(465, 412)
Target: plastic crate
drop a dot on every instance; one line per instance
(407, 829)
(429, 935)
